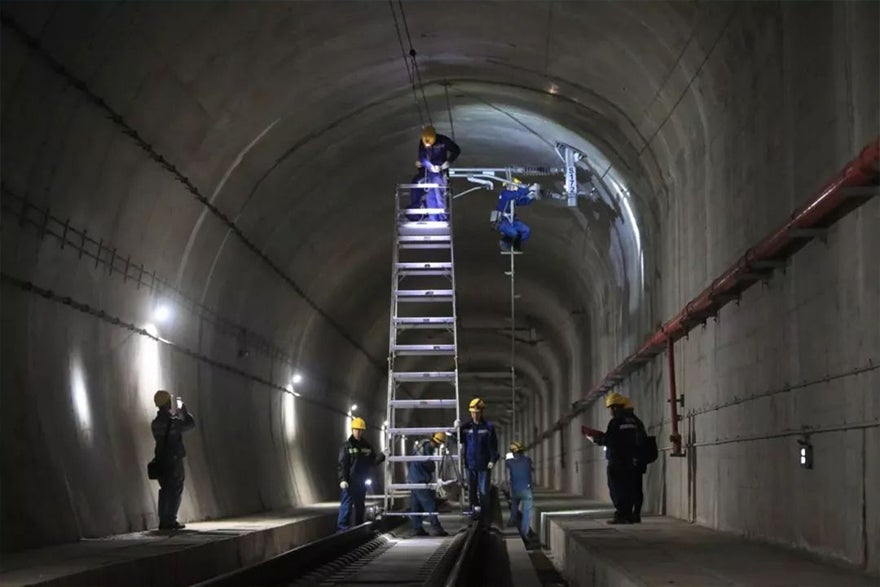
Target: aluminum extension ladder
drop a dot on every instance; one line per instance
(422, 347)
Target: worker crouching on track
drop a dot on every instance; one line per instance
(422, 500)
(356, 458)
(480, 445)
(520, 469)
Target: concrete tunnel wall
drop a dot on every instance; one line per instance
(719, 118)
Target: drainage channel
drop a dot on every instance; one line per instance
(376, 553)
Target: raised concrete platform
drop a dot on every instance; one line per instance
(666, 551)
(201, 551)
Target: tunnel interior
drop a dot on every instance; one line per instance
(199, 197)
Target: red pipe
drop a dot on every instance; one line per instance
(675, 437)
(826, 207)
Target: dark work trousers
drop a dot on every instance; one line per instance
(353, 498)
(620, 485)
(422, 500)
(170, 491)
(478, 490)
(638, 493)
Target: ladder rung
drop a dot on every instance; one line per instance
(398, 514)
(424, 323)
(423, 227)
(426, 238)
(412, 485)
(424, 376)
(410, 186)
(420, 458)
(423, 273)
(433, 265)
(446, 245)
(422, 403)
(424, 295)
(424, 349)
(418, 211)
(423, 430)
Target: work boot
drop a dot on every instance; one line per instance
(618, 520)
(420, 532)
(636, 519)
(174, 526)
(517, 243)
(505, 246)
(439, 532)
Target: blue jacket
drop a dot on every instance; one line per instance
(480, 445)
(179, 424)
(520, 469)
(444, 149)
(521, 196)
(421, 471)
(356, 457)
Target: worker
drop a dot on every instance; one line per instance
(422, 500)
(638, 495)
(514, 232)
(436, 153)
(168, 428)
(621, 441)
(356, 457)
(480, 444)
(519, 467)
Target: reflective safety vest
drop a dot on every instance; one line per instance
(356, 457)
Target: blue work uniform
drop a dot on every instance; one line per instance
(442, 151)
(480, 448)
(172, 453)
(512, 229)
(622, 440)
(356, 458)
(520, 470)
(422, 500)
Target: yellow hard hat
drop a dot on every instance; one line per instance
(515, 446)
(429, 136)
(614, 399)
(439, 437)
(628, 405)
(517, 180)
(162, 398)
(358, 424)
(477, 404)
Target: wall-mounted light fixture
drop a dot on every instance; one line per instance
(805, 454)
(297, 378)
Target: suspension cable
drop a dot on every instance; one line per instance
(415, 64)
(406, 63)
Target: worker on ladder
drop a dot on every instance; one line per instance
(514, 232)
(356, 458)
(436, 153)
(480, 444)
(422, 500)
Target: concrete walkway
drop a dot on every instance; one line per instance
(201, 551)
(667, 551)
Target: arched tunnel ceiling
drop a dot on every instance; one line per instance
(297, 120)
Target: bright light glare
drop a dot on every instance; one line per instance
(354, 408)
(288, 416)
(297, 378)
(368, 482)
(162, 313)
(80, 397)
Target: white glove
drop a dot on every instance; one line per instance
(535, 187)
(419, 164)
(435, 169)
(457, 423)
(491, 465)
(343, 485)
(445, 165)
